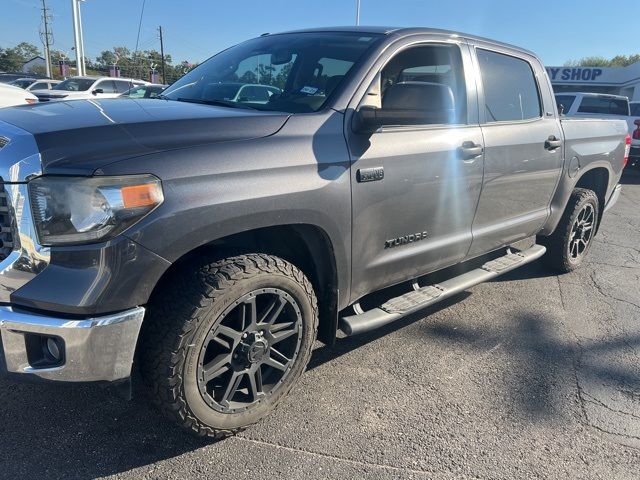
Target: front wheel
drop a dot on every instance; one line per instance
(568, 246)
(222, 347)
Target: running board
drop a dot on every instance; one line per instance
(411, 302)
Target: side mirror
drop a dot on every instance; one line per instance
(636, 122)
(97, 91)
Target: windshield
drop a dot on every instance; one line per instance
(293, 72)
(75, 84)
(21, 83)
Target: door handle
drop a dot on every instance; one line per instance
(470, 150)
(552, 143)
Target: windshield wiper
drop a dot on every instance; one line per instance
(217, 103)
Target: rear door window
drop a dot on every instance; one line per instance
(106, 86)
(604, 106)
(510, 88)
(122, 86)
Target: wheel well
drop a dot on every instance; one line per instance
(598, 181)
(306, 246)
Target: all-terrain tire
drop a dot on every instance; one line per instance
(559, 257)
(177, 322)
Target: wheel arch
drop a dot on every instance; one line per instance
(307, 246)
(595, 176)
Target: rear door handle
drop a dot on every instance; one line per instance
(470, 150)
(552, 143)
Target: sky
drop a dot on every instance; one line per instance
(558, 31)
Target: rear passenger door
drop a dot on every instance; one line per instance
(523, 152)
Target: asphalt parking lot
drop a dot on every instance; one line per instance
(529, 376)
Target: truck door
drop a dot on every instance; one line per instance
(415, 187)
(523, 148)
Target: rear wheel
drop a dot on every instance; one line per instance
(221, 349)
(569, 244)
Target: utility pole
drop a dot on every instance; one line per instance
(47, 38)
(357, 12)
(82, 57)
(77, 37)
(164, 79)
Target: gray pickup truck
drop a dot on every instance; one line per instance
(210, 238)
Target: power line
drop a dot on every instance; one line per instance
(139, 28)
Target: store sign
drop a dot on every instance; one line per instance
(574, 74)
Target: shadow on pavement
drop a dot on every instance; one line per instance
(631, 176)
(73, 431)
(538, 360)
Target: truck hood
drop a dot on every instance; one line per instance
(81, 136)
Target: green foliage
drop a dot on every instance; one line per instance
(12, 59)
(617, 61)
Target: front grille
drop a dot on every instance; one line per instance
(7, 224)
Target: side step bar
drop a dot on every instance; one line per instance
(411, 302)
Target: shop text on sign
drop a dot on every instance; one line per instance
(574, 74)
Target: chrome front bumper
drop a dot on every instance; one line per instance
(89, 350)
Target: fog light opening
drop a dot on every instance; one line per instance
(54, 349)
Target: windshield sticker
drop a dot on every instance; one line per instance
(309, 90)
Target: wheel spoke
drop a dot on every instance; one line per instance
(216, 367)
(232, 387)
(250, 316)
(273, 311)
(255, 384)
(228, 332)
(278, 337)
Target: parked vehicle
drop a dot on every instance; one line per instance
(35, 83)
(6, 77)
(76, 88)
(212, 237)
(241, 92)
(581, 104)
(152, 90)
(11, 96)
(634, 156)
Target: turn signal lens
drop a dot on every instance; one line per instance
(145, 195)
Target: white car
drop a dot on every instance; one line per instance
(11, 96)
(35, 83)
(78, 88)
(601, 105)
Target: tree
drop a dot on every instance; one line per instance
(617, 61)
(12, 59)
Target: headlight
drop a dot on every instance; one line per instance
(73, 210)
